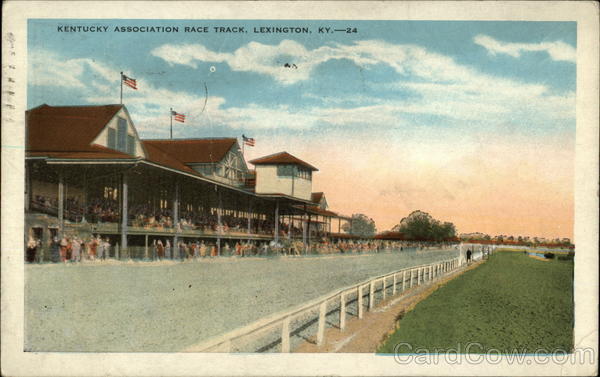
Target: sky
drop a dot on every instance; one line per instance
(473, 122)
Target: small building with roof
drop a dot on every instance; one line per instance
(282, 173)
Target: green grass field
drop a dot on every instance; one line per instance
(511, 303)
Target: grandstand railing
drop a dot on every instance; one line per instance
(400, 281)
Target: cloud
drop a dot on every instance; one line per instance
(48, 69)
(438, 87)
(271, 59)
(557, 50)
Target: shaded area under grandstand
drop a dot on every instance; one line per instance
(167, 307)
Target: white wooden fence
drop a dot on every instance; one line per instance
(400, 281)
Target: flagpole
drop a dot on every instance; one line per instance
(121, 101)
(171, 117)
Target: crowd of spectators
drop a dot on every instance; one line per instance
(69, 249)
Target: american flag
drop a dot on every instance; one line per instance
(129, 82)
(249, 141)
(177, 116)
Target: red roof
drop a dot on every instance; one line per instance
(158, 156)
(322, 212)
(189, 151)
(396, 236)
(345, 235)
(281, 158)
(66, 128)
(316, 197)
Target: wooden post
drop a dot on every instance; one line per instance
(411, 279)
(371, 294)
(360, 302)
(176, 201)
(308, 236)
(305, 231)
(249, 215)
(285, 335)
(343, 311)
(403, 280)
(219, 221)
(394, 288)
(124, 213)
(431, 273)
(383, 288)
(84, 197)
(117, 251)
(146, 247)
(276, 235)
(61, 204)
(28, 187)
(321, 329)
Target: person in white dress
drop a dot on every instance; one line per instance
(100, 249)
(76, 249)
(106, 248)
(167, 250)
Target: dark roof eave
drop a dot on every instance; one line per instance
(306, 165)
(82, 161)
(291, 198)
(199, 177)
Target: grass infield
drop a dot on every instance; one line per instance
(510, 304)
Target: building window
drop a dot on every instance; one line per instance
(304, 173)
(294, 171)
(131, 145)
(285, 170)
(122, 135)
(112, 138)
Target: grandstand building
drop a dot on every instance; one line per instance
(89, 173)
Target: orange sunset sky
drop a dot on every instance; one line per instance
(511, 185)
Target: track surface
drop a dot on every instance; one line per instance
(170, 306)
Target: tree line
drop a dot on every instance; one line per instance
(418, 226)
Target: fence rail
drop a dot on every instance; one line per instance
(400, 281)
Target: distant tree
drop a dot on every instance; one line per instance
(362, 226)
(449, 230)
(421, 226)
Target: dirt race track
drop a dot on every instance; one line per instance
(170, 306)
